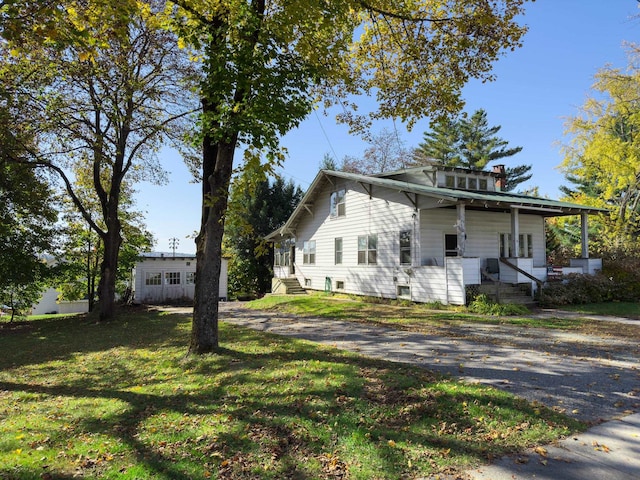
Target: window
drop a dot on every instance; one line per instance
(172, 278)
(276, 259)
(338, 251)
(338, 204)
(451, 245)
(473, 183)
(190, 278)
(505, 245)
(152, 278)
(450, 181)
(367, 250)
(309, 252)
(482, 183)
(307, 282)
(405, 247)
(339, 284)
(461, 182)
(526, 245)
(404, 291)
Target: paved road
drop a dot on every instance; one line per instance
(593, 379)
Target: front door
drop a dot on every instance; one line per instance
(292, 260)
(451, 245)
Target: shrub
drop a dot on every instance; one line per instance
(483, 305)
(578, 289)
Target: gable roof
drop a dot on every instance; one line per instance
(448, 197)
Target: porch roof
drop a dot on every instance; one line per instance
(447, 197)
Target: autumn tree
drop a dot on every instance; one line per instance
(105, 86)
(267, 63)
(469, 142)
(602, 157)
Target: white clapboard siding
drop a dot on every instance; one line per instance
(483, 231)
(386, 213)
(165, 292)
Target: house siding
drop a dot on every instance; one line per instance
(483, 234)
(164, 292)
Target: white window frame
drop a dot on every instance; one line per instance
(338, 203)
(368, 249)
(190, 278)
(338, 245)
(309, 252)
(153, 279)
(403, 291)
(172, 278)
(405, 249)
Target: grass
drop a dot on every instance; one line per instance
(618, 309)
(424, 318)
(121, 400)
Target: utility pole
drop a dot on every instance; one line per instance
(173, 244)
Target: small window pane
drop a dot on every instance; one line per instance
(190, 278)
(338, 251)
(172, 278)
(450, 181)
(482, 183)
(461, 182)
(473, 183)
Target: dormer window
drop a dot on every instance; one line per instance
(338, 203)
(450, 181)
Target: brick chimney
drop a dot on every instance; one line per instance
(500, 176)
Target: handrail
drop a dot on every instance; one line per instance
(519, 270)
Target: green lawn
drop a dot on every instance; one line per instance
(425, 318)
(121, 400)
(618, 309)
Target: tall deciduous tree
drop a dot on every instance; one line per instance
(470, 143)
(105, 88)
(385, 153)
(267, 62)
(602, 159)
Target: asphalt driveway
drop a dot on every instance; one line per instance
(590, 378)
(594, 379)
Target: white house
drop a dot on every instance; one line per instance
(49, 303)
(163, 277)
(425, 234)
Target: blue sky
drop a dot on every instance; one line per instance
(537, 88)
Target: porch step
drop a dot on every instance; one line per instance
(507, 292)
(288, 286)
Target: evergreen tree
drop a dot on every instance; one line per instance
(255, 210)
(469, 143)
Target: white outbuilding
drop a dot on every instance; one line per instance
(166, 277)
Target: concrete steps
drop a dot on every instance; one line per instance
(507, 292)
(287, 286)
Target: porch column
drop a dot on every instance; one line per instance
(584, 236)
(515, 232)
(461, 229)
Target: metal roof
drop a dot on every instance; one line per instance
(448, 197)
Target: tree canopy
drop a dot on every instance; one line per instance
(602, 158)
(100, 86)
(267, 64)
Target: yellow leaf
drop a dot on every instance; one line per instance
(84, 56)
(391, 443)
(541, 451)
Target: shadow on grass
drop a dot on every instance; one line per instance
(245, 410)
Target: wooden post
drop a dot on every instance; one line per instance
(584, 236)
(515, 233)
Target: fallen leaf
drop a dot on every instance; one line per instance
(541, 451)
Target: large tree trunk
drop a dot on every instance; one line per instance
(217, 168)
(109, 269)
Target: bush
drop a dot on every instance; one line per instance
(578, 289)
(483, 305)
